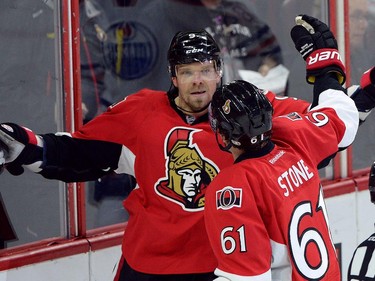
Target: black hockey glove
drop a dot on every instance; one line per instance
(318, 47)
(368, 83)
(19, 146)
(364, 95)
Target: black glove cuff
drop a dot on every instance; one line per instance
(339, 74)
(325, 82)
(29, 155)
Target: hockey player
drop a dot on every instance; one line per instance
(266, 211)
(362, 265)
(164, 139)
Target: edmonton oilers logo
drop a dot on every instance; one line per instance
(130, 50)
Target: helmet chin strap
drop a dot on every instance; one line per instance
(223, 148)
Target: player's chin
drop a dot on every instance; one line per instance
(197, 99)
(201, 106)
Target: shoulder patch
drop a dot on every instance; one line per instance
(228, 197)
(294, 116)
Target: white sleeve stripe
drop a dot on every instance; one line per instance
(126, 162)
(345, 109)
(234, 277)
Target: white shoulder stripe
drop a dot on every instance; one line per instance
(346, 111)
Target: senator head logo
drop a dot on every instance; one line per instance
(187, 173)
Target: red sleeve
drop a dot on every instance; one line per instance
(122, 121)
(316, 134)
(285, 105)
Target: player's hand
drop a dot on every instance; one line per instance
(318, 47)
(310, 34)
(364, 95)
(19, 146)
(368, 82)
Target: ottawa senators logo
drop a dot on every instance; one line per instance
(294, 116)
(228, 198)
(226, 107)
(187, 171)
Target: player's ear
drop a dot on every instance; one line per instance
(174, 81)
(218, 78)
(224, 139)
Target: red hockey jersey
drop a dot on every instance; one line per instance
(173, 163)
(268, 212)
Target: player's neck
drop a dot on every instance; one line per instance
(190, 112)
(236, 152)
